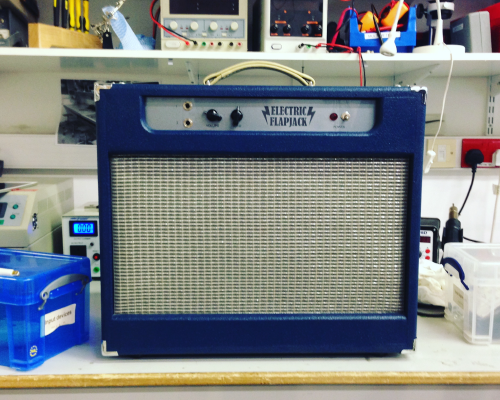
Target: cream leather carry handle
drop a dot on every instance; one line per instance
(212, 79)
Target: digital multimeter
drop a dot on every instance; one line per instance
(429, 239)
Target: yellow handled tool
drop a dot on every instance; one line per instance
(85, 21)
(71, 11)
(64, 17)
(78, 15)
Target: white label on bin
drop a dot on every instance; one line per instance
(55, 319)
(374, 35)
(458, 296)
(458, 28)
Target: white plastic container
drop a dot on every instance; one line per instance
(473, 297)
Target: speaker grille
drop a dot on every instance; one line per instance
(258, 235)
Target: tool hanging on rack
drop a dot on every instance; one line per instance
(103, 29)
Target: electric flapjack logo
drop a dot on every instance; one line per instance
(288, 115)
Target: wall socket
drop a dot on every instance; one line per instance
(446, 152)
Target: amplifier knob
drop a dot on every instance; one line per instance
(213, 26)
(305, 29)
(234, 26)
(287, 28)
(274, 28)
(194, 25)
(213, 115)
(236, 116)
(174, 25)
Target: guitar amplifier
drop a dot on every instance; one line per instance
(259, 220)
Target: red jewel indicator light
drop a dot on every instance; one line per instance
(333, 116)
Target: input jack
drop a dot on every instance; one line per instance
(188, 123)
(187, 106)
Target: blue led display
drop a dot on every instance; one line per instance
(83, 228)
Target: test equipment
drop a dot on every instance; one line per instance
(220, 25)
(429, 239)
(290, 26)
(259, 220)
(81, 236)
(31, 215)
(473, 32)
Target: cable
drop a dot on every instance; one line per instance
(364, 72)
(444, 98)
(431, 153)
(171, 32)
(377, 28)
(472, 240)
(343, 20)
(212, 79)
(360, 67)
(155, 27)
(470, 188)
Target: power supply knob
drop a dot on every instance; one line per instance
(234, 26)
(174, 25)
(194, 25)
(213, 115)
(213, 26)
(287, 29)
(274, 28)
(305, 29)
(236, 116)
(318, 30)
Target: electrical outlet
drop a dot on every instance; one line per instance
(487, 147)
(446, 152)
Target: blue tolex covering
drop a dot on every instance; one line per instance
(398, 132)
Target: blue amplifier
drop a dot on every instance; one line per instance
(259, 220)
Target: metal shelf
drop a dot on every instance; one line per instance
(72, 61)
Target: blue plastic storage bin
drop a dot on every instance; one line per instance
(405, 43)
(44, 310)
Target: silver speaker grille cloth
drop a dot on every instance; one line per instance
(258, 235)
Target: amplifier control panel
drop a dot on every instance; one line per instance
(271, 115)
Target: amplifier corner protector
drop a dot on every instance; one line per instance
(97, 88)
(106, 353)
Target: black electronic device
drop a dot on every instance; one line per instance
(429, 239)
(429, 250)
(453, 232)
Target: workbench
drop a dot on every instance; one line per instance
(442, 359)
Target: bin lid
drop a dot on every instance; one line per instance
(36, 272)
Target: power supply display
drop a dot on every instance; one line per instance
(210, 25)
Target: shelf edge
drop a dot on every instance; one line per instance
(248, 378)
